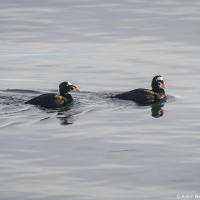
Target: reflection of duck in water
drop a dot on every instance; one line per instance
(145, 96)
(65, 119)
(52, 100)
(156, 109)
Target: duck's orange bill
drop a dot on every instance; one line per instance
(163, 85)
(77, 89)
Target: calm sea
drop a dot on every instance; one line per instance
(99, 148)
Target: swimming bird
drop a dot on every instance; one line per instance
(51, 100)
(146, 96)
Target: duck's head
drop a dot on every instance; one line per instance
(157, 83)
(66, 87)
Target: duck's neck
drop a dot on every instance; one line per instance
(159, 90)
(64, 94)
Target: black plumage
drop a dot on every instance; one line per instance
(146, 96)
(51, 100)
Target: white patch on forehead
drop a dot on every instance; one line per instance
(160, 78)
(69, 83)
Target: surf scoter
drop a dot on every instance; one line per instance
(145, 96)
(51, 100)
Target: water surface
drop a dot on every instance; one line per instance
(99, 147)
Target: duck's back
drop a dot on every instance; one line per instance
(143, 96)
(50, 100)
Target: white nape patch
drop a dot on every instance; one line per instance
(160, 78)
(69, 83)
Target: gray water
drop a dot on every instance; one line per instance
(99, 147)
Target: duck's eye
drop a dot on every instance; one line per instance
(161, 84)
(160, 81)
